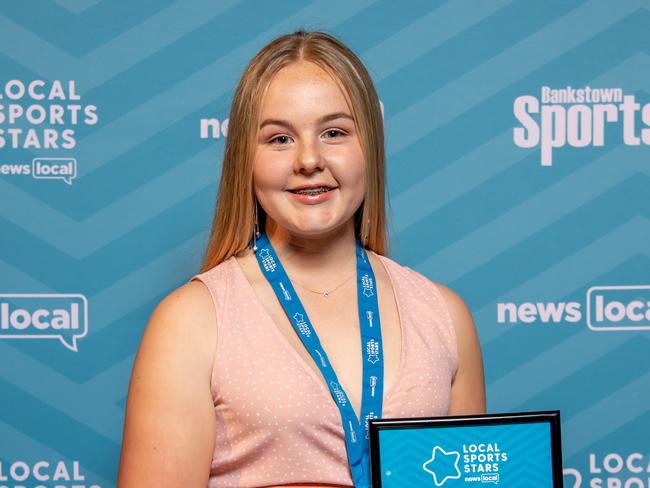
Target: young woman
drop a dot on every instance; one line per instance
(264, 369)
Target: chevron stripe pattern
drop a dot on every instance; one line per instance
(107, 209)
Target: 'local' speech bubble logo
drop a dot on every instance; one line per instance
(44, 316)
(55, 168)
(613, 308)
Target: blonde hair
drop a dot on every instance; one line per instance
(233, 224)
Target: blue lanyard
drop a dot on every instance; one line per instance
(356, 432)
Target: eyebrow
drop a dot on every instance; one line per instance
(325, 118)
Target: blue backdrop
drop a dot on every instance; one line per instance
(518, 145)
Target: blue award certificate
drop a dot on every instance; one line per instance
(508, 450)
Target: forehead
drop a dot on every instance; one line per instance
(303, 89)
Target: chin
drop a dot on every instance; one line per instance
(320, 231)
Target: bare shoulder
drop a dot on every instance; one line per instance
(192, 301)
(468, 388)
(187, 315)
(179, 337)
(467, 341)
(458, 309)
(169, 426)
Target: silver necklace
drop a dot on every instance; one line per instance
(325, 293)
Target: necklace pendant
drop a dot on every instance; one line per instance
(326, 294)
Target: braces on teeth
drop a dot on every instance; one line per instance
(313, 191)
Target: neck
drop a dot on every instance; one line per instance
(303, 255)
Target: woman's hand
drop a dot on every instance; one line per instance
(468, 387)
(169, 429)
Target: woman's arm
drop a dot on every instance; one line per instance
(468, 388)
(169, 428)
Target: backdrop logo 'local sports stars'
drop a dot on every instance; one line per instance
(611, 470)
(38, 121)
(56, 473)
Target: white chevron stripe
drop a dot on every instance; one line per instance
(508, 67)
(77, 6)
(427, 33)
(127, 49)
(535, 213)
(97, 412)
(170, 267)
(622, 406)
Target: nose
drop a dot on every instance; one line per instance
(308, 157)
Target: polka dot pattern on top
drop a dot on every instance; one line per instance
(276, 423)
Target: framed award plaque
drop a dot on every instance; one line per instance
(489, 451)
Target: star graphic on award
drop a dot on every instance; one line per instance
(443, 465)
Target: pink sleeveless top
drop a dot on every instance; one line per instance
(276, 422)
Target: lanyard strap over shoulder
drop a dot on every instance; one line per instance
(356, 430)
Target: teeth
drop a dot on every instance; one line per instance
(312, 191)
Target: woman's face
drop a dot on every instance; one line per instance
(307, 138)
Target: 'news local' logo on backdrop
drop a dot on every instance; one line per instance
(213, 128)
(611, 470)
(63, 317)
(577, 117)
(608, 308)
(40, 117)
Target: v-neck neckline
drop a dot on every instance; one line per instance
(286, 345)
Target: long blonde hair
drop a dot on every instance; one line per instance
(233, 224)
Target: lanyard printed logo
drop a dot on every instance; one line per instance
(303, 327)
(338, 393)
(372, 350)
(373, 384)
(266, 260)
(369, 317)
(368, 288)
(285, 292)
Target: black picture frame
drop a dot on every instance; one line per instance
(552, 417)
